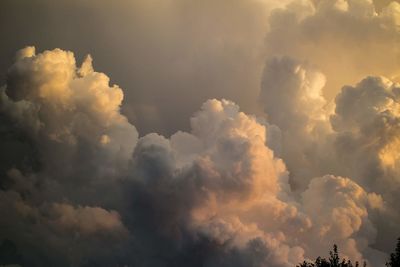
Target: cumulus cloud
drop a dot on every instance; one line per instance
(236, 193)
(366, 123)
(291, 94)
(342, 218)
(342, 42)
(155, 50)
(354, 137)
(62, 107)
(67, 141)
(295, 88)
(345, 39)
(207, 189)
(83, 184)
(85, 220)
(229, 189)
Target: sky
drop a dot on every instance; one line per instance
(198, 133)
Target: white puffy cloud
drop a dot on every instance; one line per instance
(342, 217)
(355, 134)
(236, 192)
(81, 101)
(225, 177)
(346, 39)
(356, 137)
(291, 94)
(218, 189)
(66, 143)
(366, 119)
(219, 194)
(62, 107)
(366, 124)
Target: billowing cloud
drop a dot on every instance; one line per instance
(85, 220)
(291, 94)
(345, 39)
(154, 49)
(62, 108)
(67, 142)
(356, 137)
(217, 195)
(314, 166)
(342, 217)
(228, 187)
(367, 117)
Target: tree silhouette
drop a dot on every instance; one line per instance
(395, 257)
(333, 261)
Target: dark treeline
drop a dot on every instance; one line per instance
(394, 260)
(334, 260)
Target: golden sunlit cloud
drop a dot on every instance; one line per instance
(290, 140)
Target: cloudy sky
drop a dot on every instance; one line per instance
(198, 133)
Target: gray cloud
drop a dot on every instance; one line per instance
(291, 93)
(228, 189)
(346, 40)
(357, 137)
(154, 49)
(213, 196)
